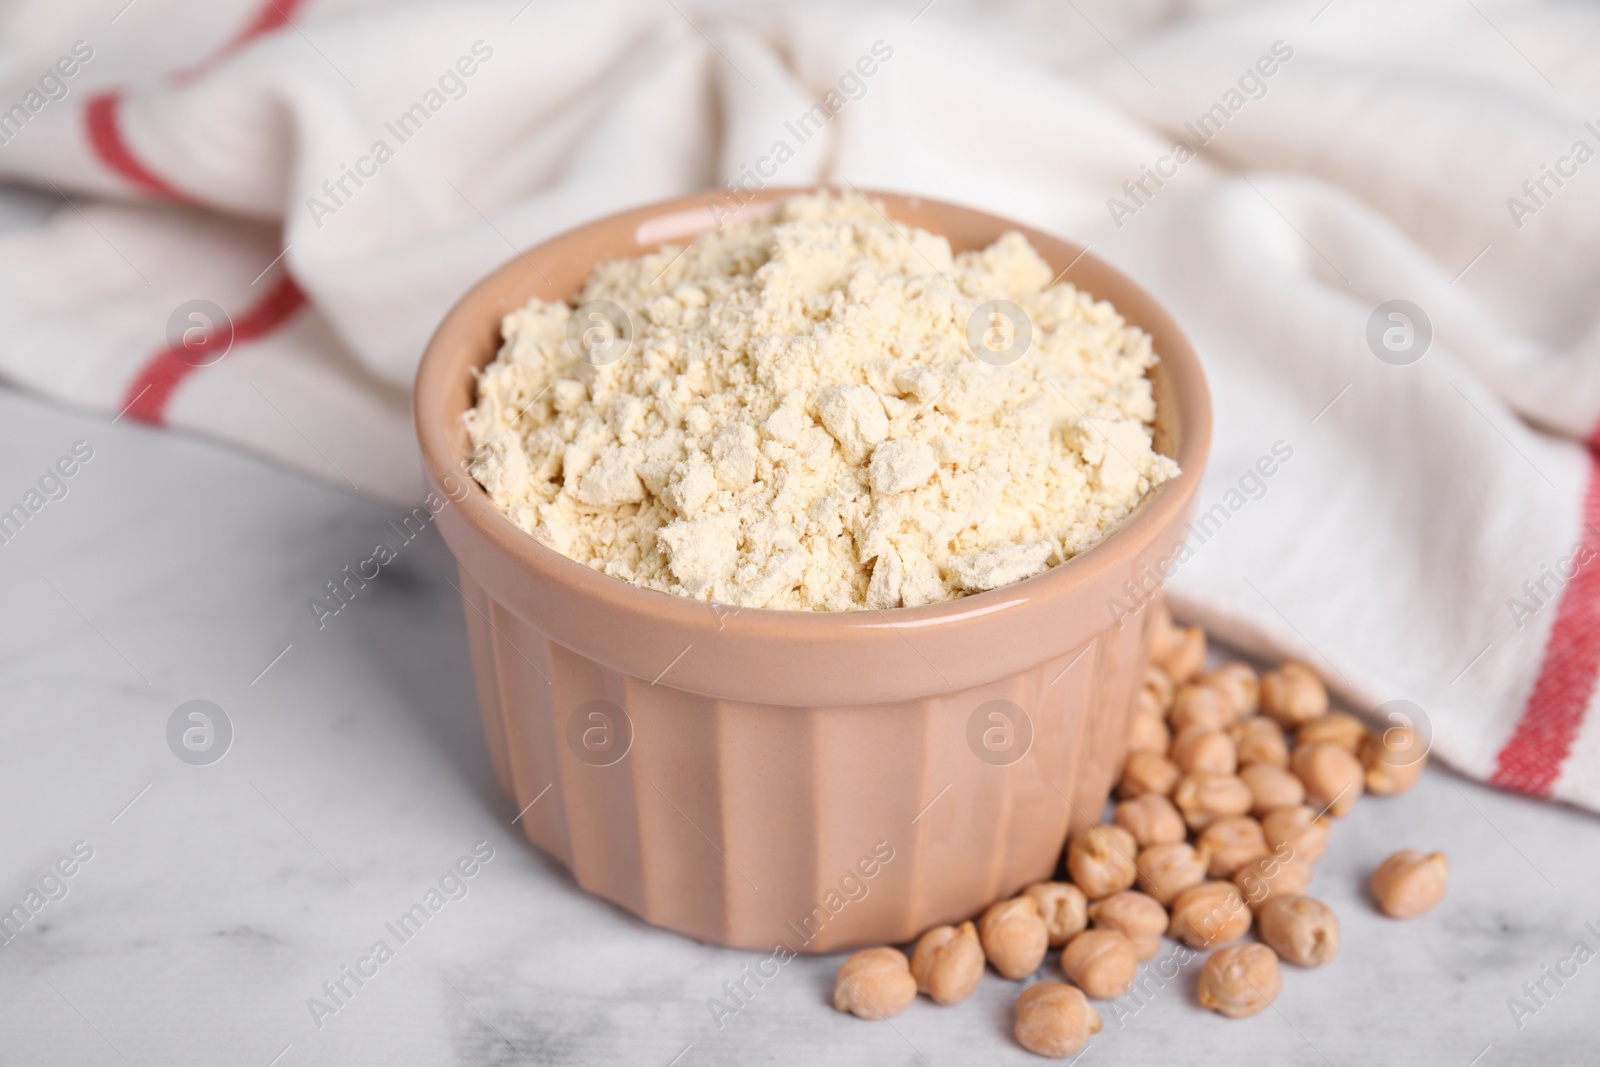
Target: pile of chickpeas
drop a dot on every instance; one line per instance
(1223, 807)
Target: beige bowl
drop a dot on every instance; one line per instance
(813, 780)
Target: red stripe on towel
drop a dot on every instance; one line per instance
(102, 120)
(150, 391)
(148, 395)
(273, 15)
(1531, 760)
(102, 112)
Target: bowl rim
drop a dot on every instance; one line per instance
(673, 219)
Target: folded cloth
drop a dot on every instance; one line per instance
(1377, 223)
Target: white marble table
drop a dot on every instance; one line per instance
(219, 899)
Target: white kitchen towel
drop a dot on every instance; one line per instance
(1377, 221)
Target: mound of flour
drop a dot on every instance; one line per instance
(801, 423)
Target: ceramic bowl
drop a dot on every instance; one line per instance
(765, 778)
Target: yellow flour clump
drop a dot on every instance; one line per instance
(800, 422)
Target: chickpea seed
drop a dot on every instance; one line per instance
(1332, 776)
(1149, 732)
(1188, 656)
(1164, 636)
(1393, 760)
(1101, 860)
(1209, 914)
(1144, 703)
(1203, 798)
(1240, 980)
(1272, 788)
(1198, 705)
(1293, 694)
(1259, 740)
(1151, 819)
(1103, 963)
(1231, 843)
(1139, 918)
(1237, 682)
(1054, 1019)
(1271, 877)
(1301, 930)
(1408, 883)
(948, 962)
(1145, 773)
(1336, 728)
(875, 983)
(1014, 936)
(1160, 685)
(1168, 869)
(1300, 830)
(1201, 748)
(1062, 905)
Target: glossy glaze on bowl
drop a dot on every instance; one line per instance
(811, 780)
